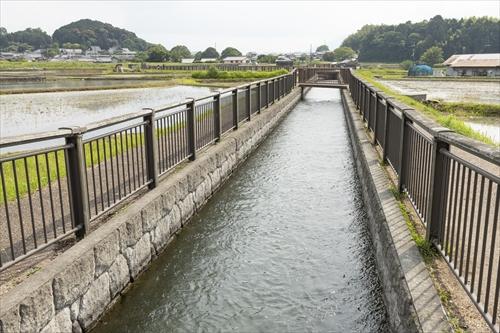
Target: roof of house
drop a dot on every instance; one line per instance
(208, 59)
(187, 60)
(474, 60)
(235, 58)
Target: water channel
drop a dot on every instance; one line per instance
(283, 246)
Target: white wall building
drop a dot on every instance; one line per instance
(236, 60)
(486, 64)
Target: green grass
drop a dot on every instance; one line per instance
(223, 75)
(447, 120)
(26, 169)
(463, 109)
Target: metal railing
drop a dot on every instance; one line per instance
(81, 173)
(453, 184)
(219, 66)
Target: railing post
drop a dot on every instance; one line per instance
(217, 118)
(279, 88)
(248, 101)
(438, 178)
(151, 148)
(191, 129)
(267, 94)
(235, 109)
(302, 93)
(258, 97)
(402, 152)
(375, 111)
(385, 151)
(78, 196)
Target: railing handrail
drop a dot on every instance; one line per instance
(473, 146)
(63, 133)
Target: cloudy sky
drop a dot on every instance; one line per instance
(263, 26)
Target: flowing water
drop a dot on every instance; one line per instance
(283, 246)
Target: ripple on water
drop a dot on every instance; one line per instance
(283, 246)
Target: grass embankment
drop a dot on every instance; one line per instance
(463, 109)
(213, 73)
(447, 120)
(429, 254)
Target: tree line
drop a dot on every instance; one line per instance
(410, 41)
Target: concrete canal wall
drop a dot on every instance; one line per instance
(80, 284)
(411, 299)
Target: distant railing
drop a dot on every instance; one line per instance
(81, 173)
(453, 184)
(206, 66)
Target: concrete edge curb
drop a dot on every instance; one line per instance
(411, 299)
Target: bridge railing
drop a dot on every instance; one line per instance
(56, 184)
(219, 66)
(453, 184)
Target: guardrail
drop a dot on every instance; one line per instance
(81, 173)
(219, 66)
(453, 183)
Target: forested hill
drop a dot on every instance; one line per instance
(89, 32)
(80, 34)
(395, 43)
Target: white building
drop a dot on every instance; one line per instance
(208, 60)
(236, 60)
(187, 60)
(486, 64)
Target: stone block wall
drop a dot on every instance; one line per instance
(76, 288)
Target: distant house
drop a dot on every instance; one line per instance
(93, 51)
(284, 61)
(208, 60)
(123, 54)
(187, 60)
(71, 53)
(486, 64)
(236, 60)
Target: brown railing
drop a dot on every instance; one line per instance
(219, 66)
(453, 183)
(80, 173)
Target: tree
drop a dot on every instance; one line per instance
(197, 56)
(230, 52)
(343, 53)
(157, 53)
(433, 55)
(322, 48)
(90, 32)
(395, 43)
(266, 59)
(178, 52)
(406, 64)
(210, 52)
(329, 56)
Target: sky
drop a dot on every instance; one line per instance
(261, 26)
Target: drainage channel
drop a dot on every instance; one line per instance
(283, 246)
